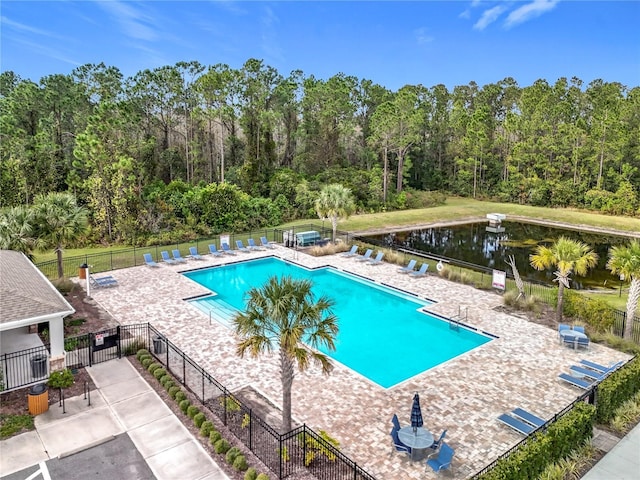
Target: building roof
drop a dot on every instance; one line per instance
(26, 295)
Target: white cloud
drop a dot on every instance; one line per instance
(529, 11)
(488, 17)
(21, 27)
(134, 22)
(422, 37)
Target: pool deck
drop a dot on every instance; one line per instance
(464, 395)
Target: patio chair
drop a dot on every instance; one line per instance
(166, 258)
(177, 256)
(422, 272)
(528, 417)
(443, 460)
(226, 249)
(517, 425)
(240, 246)
(582, 342)
(409, 267)
(148, 259)
(395, 422)
(213, 250)
(601, 368)
(365, 257)
(581, 372)
(99, 282)
(253, 245)
(193, 251)
(377, 260)
(398, 446)
(579, 328)
(265, 243)
(351, 253)
(561, 327)
(575, 381)
(435, 447)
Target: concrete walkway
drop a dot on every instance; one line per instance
(123, 402)
(622, 462)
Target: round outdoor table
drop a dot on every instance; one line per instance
(420, 440)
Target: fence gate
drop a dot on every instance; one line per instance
(104, 345)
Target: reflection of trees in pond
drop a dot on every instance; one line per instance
(474, 244)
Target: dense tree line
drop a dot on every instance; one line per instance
(205, 149)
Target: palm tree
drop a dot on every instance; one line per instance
(568, 256)
(59, 220)
(16, 230)
(283, 314)
(625, 262)
(334, 202)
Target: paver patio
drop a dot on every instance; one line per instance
(464, 395)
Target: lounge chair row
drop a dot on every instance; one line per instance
(521, 421)
(587, 374)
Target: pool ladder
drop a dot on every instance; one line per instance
(456, 320)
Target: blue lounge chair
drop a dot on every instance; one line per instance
(213, 250)
(528, 417)
(365, 257)
(398, 445)
(575, 381)
(227, 249)
(193, 251)
(377, 260)
(443, 460)
(253, 245)
(395, 422)
(519, 426)
(100, 282)
(240, 247)
(148, 259)
(408, 268)
(166, 258)
(265, 243)
(177, 256)
(581, 372)
(601, 368)
(351, 253)
(422, 272)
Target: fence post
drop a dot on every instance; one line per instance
(119, 340)
(90, 348)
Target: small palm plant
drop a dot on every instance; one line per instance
(625, 262)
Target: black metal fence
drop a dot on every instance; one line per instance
(284, 453)
(24, 368)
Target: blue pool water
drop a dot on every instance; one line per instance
(383, 334)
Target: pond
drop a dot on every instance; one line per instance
(474, 244)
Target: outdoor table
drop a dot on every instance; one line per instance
(568, 336)
(420, 440)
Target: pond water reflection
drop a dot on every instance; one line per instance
(474, 244)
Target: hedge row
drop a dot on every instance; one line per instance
(616, 389)
(233, 456)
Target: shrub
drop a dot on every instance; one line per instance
(221, 446)
(61, 379)
(206, 428)
(141, 353)
(159, 373)
(146, 361)
(164, 379)
(173, 390)
(240, 463)
(133, 347)
(214, 436)
(198, 419)
(169, 384)
(262, 476)
(232, 454)
(192, 411)
(616, 389)
(250, 474)
(180, 396)
(153, 367)
(184, 405)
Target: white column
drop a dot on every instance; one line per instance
(56, 336)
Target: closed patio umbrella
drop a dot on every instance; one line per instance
(416, 413)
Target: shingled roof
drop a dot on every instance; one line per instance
(26, 296)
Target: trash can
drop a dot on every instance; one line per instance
(158, 346)
(38, 399)
(82, 271)
(38, 366)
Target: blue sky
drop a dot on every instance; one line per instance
(391, 43)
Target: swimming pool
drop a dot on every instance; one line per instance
(383, 335)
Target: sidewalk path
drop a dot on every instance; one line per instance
(122, 402)
(622, 462)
